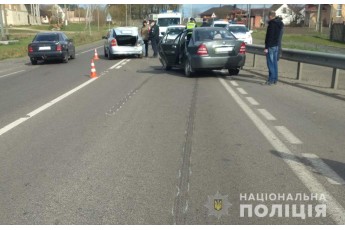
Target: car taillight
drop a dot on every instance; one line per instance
(113, 42)
(31, 49)
(243, 48)
(58, 47)
(202, 50)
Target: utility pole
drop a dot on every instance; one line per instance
(98, 17)
(318, 19)
(126, 14)
(3, 38)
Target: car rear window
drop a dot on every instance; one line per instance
(47, 37)
(174, 31)
(209, 35)
(220, 25)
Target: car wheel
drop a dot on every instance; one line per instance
(187, 68)
(65, 59)
(73, 55)
(33, 61)
(233, 71)
(140, 56)
(105, 53)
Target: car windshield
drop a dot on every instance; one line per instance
(208, 35)
(238, 29)
(168, 21)
(47, 37)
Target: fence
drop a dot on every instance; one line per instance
(338, 32)
(335, 61)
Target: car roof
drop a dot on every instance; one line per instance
(209, 28)
(242, 25)
(45, 33)
(220, 22)
(177, 26)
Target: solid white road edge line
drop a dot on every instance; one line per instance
(289, 136)
(11, 73)
(43, 107)
(335, 210)
(267, 115)
(252, 101)
(324, 169)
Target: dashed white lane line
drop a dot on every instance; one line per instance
(118, 67)
(119, 63)
(334, 209)
(43, 107)
(242, 91)
(234, 83)
(88, 50)
(324, 169)
(267, 115)
(11, 73)
(288, 135)
(252, 101)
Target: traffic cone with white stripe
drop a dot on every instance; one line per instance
(96, 55)
(93, 70)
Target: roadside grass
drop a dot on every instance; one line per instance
(24, 37)
(307, 41)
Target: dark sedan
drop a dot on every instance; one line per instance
(206, 48)
(51, 46)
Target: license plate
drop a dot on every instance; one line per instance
(223, 49)
(44, 48)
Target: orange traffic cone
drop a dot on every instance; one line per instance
(96, 55)
(93, 70)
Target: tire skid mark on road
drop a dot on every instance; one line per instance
(181, 201)
(114, 109)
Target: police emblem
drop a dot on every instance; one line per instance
(218, 205)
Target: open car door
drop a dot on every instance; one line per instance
(168, 50)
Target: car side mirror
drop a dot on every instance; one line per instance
(104, 37)
(250, 31)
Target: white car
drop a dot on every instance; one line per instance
(123, 41)
(223, 24)
(241, 32)
(173, 31)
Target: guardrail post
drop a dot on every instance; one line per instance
(254, 61)
(299, 71)
(335, 78)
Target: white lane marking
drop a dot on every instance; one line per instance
(252, 101)
(267, 114)
(93, 49)
(242, 91)
(289, 136)
(43, 107)
(117, 64)
(12, 125)
(234, 83)
(118, 67)
(324, 169)
(334, 209)
(11, 73)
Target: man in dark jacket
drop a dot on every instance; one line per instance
(204, 23)
(272, 45)
(154, 37)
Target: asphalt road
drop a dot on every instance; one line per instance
(141, 145)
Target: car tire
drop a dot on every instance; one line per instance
(105, 53)
(65, 59)
(73, 55)
(233, 72)
(33, 61)
(140, 56)
(187, 69)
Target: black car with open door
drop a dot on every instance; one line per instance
(204, 48)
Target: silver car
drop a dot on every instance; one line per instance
(123, 41)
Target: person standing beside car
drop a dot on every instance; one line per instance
(272, 41)
(144, 32)
(154, 37)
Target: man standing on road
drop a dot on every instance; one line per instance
(154, 37)
(272, 42)
(204, 23)
(144, 32)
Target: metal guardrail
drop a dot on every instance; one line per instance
(335, 61)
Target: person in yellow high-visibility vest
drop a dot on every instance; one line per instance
(191, 25)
